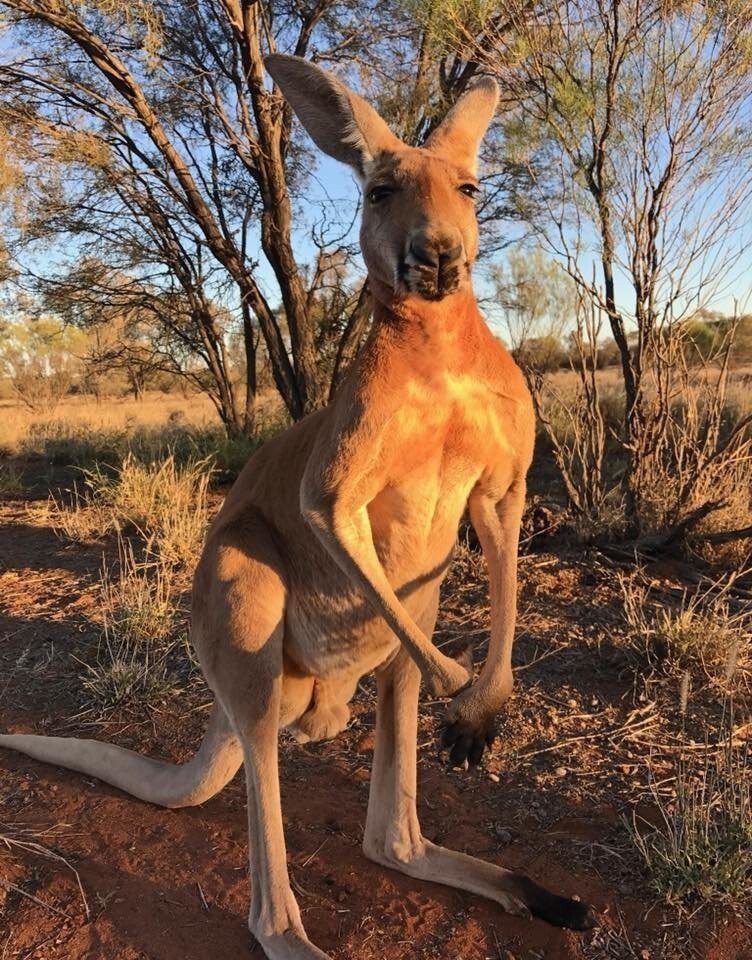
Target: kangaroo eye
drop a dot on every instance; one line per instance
(377, 194)
(469, 189)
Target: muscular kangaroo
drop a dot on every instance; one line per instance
(326, 558)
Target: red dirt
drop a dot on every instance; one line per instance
(173, 885)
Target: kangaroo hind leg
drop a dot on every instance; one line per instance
(245, 664)
(393, 836)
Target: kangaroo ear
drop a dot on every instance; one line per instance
(338, 121)
(459, 134)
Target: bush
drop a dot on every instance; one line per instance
(541, 354)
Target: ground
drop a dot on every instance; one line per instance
(87, 872)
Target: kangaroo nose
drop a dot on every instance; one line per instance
(433, 264)
(424, 252)
(449, 256)
(434, 253)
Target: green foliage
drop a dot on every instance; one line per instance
(702, 340)
(536, 300)
(448, 23)
(40, 356)
(541, 354)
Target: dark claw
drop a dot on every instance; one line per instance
(476, 751)
(467, 743)
(558, 911)
(459, 752)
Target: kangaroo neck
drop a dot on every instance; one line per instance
(435, 325)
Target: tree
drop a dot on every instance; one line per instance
(179, 119)
(536, 299)
(169, 108)
(633, 121)
(41, 358)
(187, 165)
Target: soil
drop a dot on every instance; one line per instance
(87, 872)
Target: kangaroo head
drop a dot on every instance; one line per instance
(419, 233)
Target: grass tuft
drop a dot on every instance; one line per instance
(701, 849)
(164, 502)
(699, 632)
(11, 480)
(139, 613)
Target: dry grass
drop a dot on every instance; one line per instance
(77, 516)
(11, 481)
(166, 506)
(110, 415)
(689, 468)
(701, 631)
(700, 851)
(85, 434)
(27, 842)
(139, 612)
(163, 502)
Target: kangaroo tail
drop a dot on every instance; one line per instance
(166, 784)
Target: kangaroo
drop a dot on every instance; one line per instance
(325, 560)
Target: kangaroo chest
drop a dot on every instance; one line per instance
(437, 446)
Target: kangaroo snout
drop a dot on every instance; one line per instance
(434, 264)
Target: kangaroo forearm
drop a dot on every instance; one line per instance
(350, 545)
(497, 526)
(496, 675)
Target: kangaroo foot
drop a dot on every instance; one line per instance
(322, 721)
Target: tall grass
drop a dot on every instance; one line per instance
(700, 632)
(164, 502)
(163, 505)
(11, 481)
(83, 445)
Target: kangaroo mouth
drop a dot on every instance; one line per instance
(432, 283)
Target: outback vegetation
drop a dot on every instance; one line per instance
(181, 280)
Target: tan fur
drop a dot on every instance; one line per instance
(326, 558)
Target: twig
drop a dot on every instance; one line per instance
(317, 850)
(30, 896)
(635, 721)
(722, 536)
(204, 904)
(30, 847)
